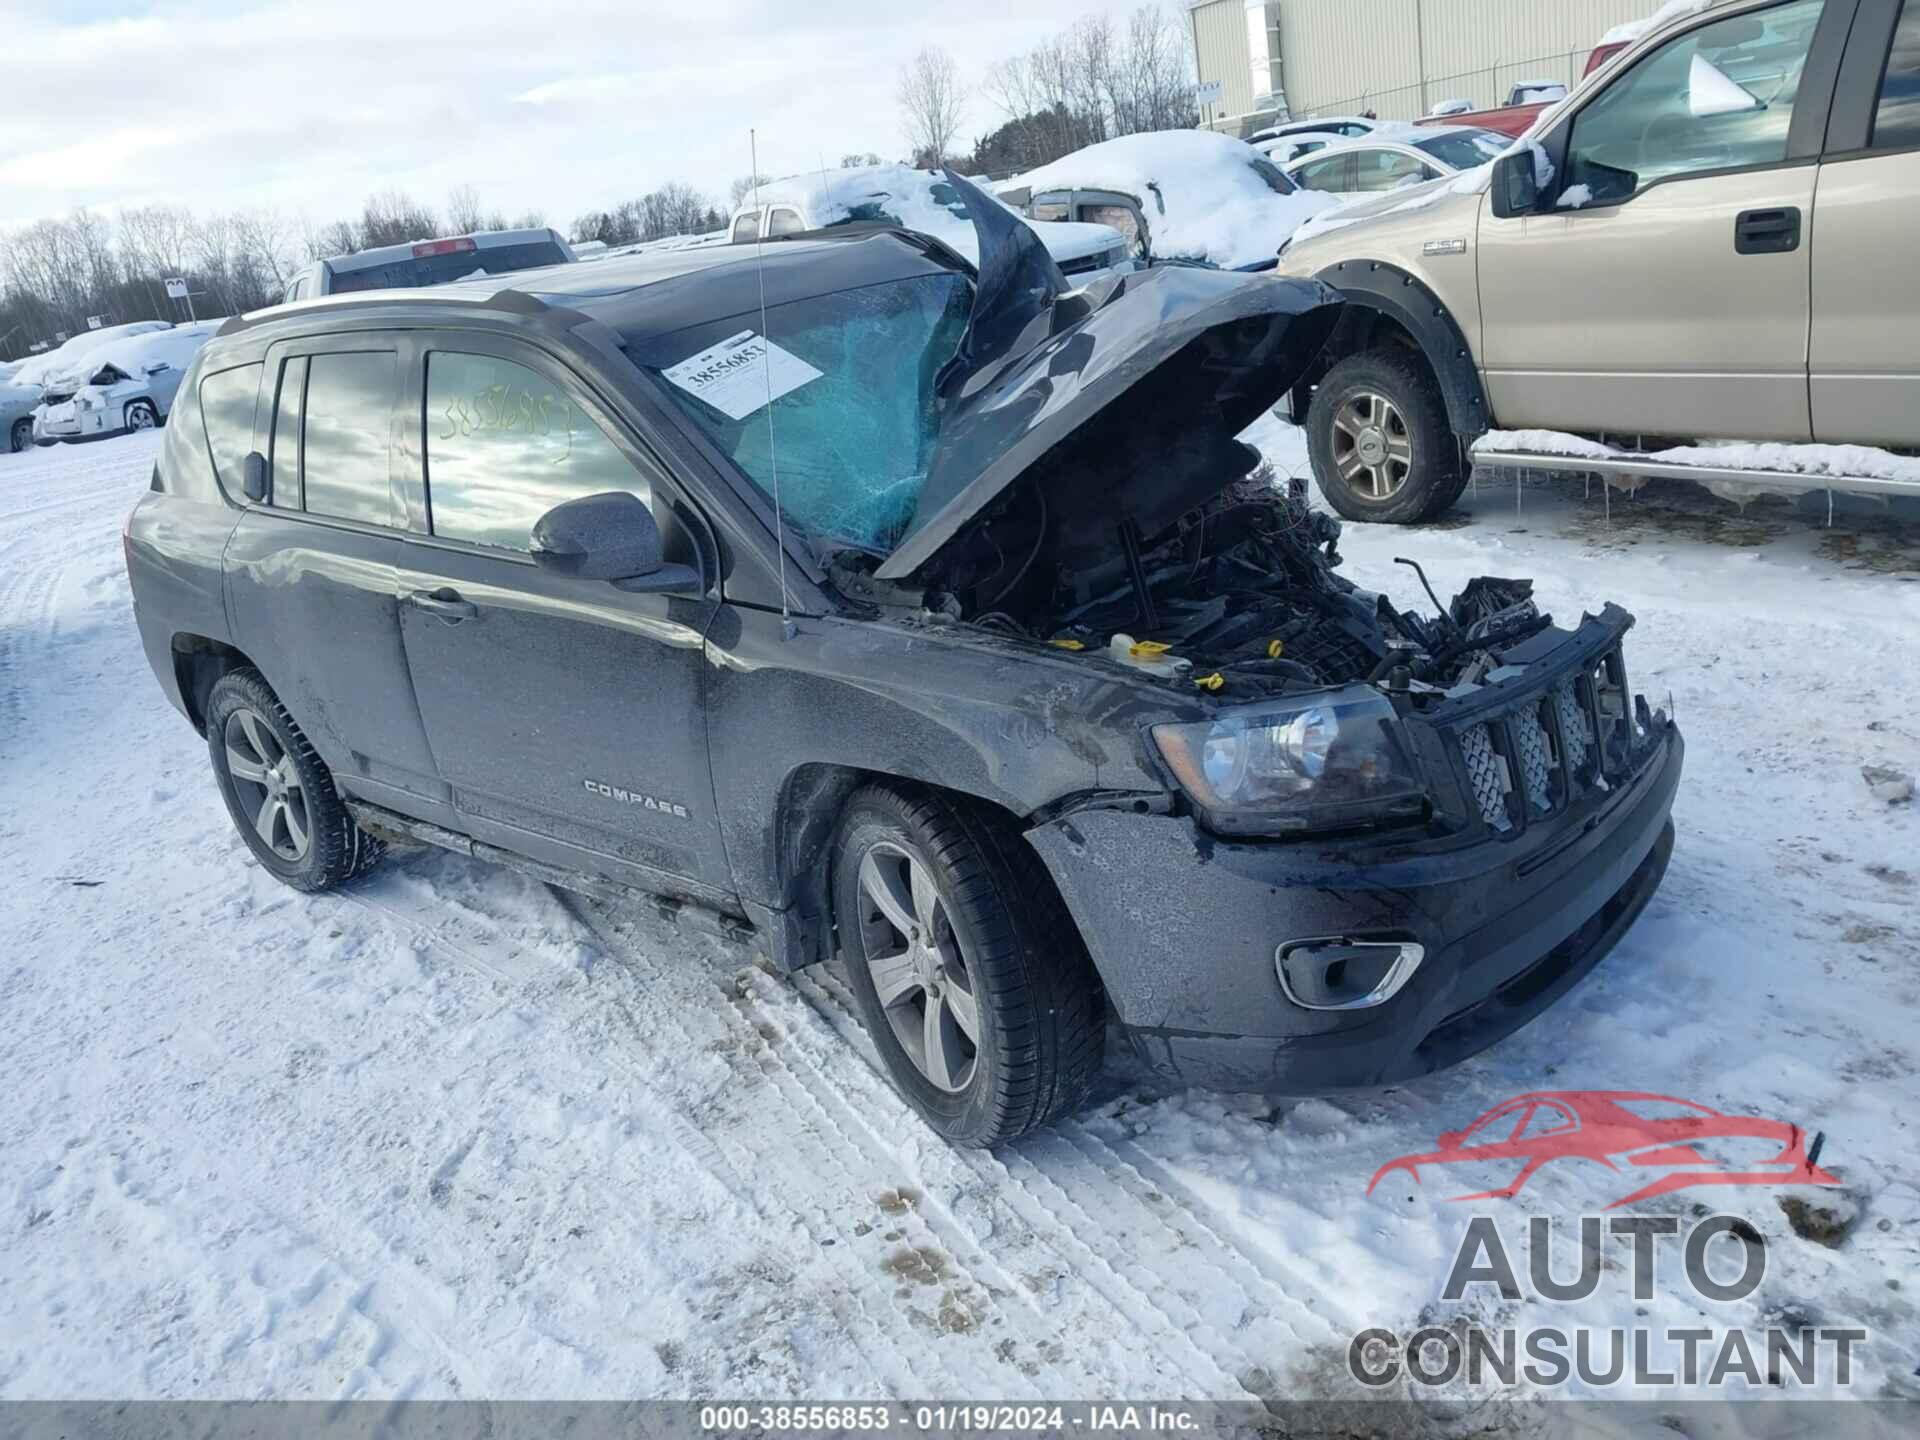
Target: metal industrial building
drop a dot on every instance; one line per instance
(1397, 58)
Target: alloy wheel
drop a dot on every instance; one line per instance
(920, 973)
(140, 417)
(1372, 448)
(268, 785)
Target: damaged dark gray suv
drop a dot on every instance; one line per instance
(1033, 702)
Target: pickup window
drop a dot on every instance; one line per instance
(1896, 121)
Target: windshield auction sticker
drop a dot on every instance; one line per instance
(741, 374)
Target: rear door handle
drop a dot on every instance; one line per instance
(1767, 232)
(444, 602)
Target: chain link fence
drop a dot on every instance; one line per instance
(1482, 89)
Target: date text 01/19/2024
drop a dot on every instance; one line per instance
(961, 1416)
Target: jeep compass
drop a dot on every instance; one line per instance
(923, 618)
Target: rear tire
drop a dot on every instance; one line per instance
(993, 1020)
(21, 436)
(1383, 450)
(278, 791)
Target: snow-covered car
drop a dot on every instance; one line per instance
(430, 262)
(37, 370)
(17, 403)
(1282, 148)
(1391, 159)
(919, 200)
(124, 385)
(1177, 195)
(1348, 127)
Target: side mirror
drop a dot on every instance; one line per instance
(154, 367)
(1516, 189)
(610, 537)
(256, 478)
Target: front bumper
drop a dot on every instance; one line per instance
(1184, 928)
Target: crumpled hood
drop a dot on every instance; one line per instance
(1126, 413)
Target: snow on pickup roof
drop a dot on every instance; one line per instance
(1632, 30)
(1201, 194)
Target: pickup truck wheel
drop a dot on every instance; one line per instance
(21, 437)
(968, 971)
(278, 791)
(1381, 446)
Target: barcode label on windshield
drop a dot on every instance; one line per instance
(740, 374)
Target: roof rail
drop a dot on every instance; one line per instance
(512, 302)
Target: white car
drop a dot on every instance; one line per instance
(919, 200)
(1189, 196)
(122, 386)
(1390, 160)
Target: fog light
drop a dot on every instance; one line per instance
(1337, 973)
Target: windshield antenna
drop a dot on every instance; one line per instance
(787, 627)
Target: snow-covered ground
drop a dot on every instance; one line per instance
(452, 1133)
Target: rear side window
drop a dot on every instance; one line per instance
(1379, 170)
(1332, 175)
(747, 227)
(505, 445)
(784, 222)
(226, 406)
(1896, 122)
(347, 454)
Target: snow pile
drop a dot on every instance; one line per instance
(1201, 195)
(1814, 461)
(1632, 30)
(42, 368)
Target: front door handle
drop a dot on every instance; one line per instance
(444, 602)
(1767, 232)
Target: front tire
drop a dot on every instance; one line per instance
(21, 436)
(1382, 447)
(142, 416)
(968, 971)
(278, 791)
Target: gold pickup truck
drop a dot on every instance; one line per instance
(1711, 240)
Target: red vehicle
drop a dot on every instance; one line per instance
(1516, 120)
(1623, 1128)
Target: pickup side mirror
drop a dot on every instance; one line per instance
(610, 537)
(1516, 188)
(256, 478)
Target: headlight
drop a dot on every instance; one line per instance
(1310, 764)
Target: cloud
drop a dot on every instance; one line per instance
(309, 107)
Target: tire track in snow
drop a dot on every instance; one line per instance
(1146, 1301)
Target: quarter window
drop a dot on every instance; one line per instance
(1717, 98)
(505, 445)
(226, 406)
(346, 461)
(1896, 121)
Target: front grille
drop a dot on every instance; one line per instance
(1548, 750)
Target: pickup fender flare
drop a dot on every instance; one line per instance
(1374, 285)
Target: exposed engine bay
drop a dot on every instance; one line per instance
(1241, 597)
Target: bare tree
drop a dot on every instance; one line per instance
(742, 187)
(858, 160)
(930, 96)
(463, 210)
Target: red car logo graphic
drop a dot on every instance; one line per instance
(1623, 1127)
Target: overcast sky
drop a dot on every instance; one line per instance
(558, 105)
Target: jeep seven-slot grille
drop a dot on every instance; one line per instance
(1540, 756)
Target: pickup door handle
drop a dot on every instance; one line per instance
(1767, 232)
(444, 602)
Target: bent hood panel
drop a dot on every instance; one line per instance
(1150, 389)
